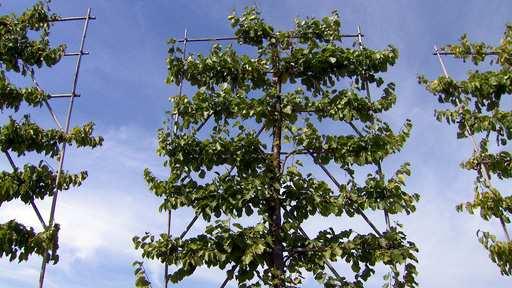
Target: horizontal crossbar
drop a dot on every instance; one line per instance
(78, 18)
(76, 53)
(451, 53)
(236, 38)
(65, 95)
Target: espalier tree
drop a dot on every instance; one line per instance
(24, 47)
(478, 110)
(291, 88)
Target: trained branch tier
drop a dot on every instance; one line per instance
(293, 84)
(478, 106)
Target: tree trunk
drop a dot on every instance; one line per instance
(274, 204)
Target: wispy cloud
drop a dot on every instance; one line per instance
(122, 84)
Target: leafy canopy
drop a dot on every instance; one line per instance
(25, 46)
(476, 106)
(295, 83)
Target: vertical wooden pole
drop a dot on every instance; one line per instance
(66, 131)
(175, 118)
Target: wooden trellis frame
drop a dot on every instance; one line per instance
(64, 128)
(482, 169)
(173, 130)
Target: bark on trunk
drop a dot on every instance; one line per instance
(274, 205)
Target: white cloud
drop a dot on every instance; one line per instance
(111, 207)
(99, 220)
(114, 205)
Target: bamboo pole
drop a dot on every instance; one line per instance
(232, 38)
(173, 133)
(66, 131)
(379, 163)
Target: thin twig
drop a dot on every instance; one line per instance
(288, 155)
(184, 233)
(38, 214)
(38, 87)
(229, 276)
(32, 203)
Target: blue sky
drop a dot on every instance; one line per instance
(123, 92)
